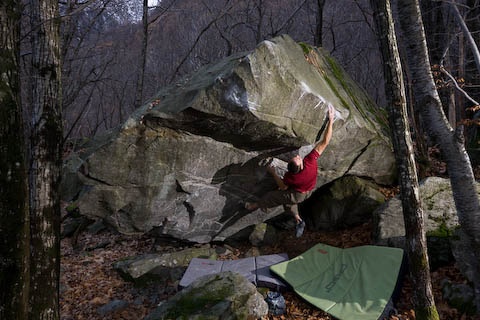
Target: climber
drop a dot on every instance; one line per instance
(298, 182)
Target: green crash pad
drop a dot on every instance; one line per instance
(354, 283)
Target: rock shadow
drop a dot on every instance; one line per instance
(243, 182)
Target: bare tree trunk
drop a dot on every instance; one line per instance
(259, 33)
(416, 241)
(451, 142)
(461, 75)
(45, 160)
(14, 215)
(143, 57)
(467, 34)
(319, 23)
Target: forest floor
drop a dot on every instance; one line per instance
(89, 282)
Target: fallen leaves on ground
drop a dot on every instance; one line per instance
(88, 280)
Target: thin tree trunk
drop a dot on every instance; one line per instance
(45, 160)
(415, 242)
(461, 75)
(319, 24)
(259, 36)
(143, 57)
(14, 215)
(467, 34)
(451, 142)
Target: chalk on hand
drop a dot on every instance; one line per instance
(336, 114)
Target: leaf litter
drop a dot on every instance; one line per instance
(88, 280)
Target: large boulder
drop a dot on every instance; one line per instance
(181, 164)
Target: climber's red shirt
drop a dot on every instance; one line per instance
(306, 179)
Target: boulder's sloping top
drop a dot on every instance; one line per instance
(181, 164)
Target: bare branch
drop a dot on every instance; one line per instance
(457, 86)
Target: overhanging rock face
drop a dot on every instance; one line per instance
(181, 163)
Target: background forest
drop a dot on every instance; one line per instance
(117, 54)
(106, 36)
(113, 61)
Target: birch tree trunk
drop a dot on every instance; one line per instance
(45, 160)
(14, 215)
(416, 241)
(451, 142)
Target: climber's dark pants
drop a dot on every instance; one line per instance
(288, 198)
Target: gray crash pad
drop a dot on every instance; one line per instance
(255, 269)
(266, 278)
